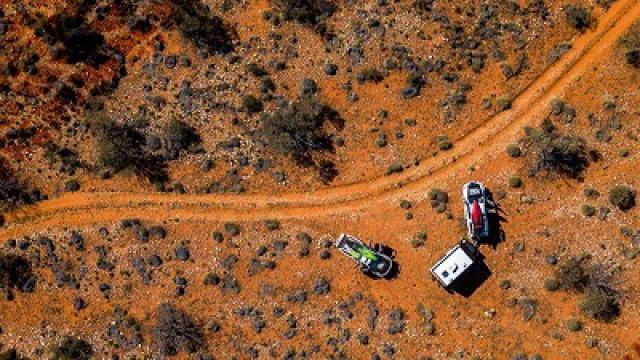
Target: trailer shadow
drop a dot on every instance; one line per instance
(475, 276)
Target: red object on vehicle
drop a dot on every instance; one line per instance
(476, 214)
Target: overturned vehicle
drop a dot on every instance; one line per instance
(372, 261)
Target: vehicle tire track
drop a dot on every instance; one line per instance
(529, 108)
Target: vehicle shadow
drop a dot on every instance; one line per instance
(474, 277)
(395, 268)
(496, 217)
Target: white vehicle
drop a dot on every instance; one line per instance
(455, 263)
(475, 201)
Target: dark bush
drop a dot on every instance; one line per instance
(633, 57)
(12, 191)
(72, 349)
(79, 42)
(122, 146)
(513, 150)
(16, 272)
(622, 197)
(297, 130)
(205, 30)
(179, 136)
(10, 354)
(556, 153)
(251, 104)
(573, 274)
(312, 13)
(370, 75)
(578, 17)
(176, 332)
(601, 303)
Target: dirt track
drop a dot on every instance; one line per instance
(529, 108)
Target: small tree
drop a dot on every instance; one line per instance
(179, 136)
(176, 331)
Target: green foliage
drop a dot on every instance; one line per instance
(622, 197)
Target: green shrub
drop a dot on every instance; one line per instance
(515, 182)
(572, 274)
(179, 136)
(251, 104)
(176, 331)
(587, 210)
(313, 13)
(256, 70)
(600, 303)
(272, 224)
(551, 284)
(71, 185)
(591, 193)
(12, 191)
(72, 349)
(578, 17)
(370, 75)
(573, 325)
(232, 229)
(78, 41)
(622, 197)
(554, 152)
(205, 30)
(503, 103)
(514, 151)
(297, 130)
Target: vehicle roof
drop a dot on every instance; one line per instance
(452, 265)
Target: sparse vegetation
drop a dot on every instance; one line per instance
(176, 331)
(72, 349)
(600, 297)
(122, 146)
(622, 197)
(297, 130)
(205, 30)
(179, 136)
(313, 13)
(578, 17)
(554, 152)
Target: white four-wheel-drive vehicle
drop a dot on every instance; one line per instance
(476, 204)
(371, 260)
